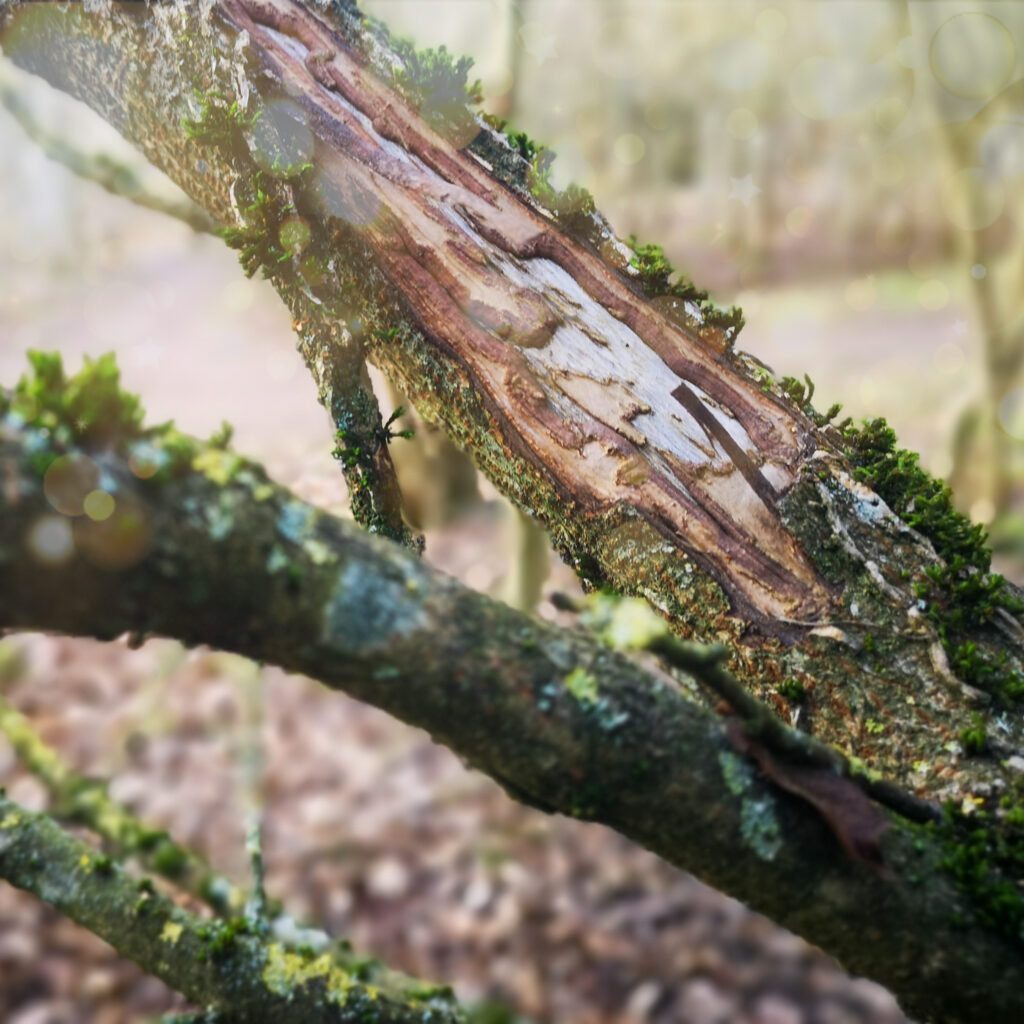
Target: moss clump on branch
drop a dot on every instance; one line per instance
(90, 412)
(218, 120)
(656, 271)
(984, 852)
(435, 80)
(89, 409)
(962, 595)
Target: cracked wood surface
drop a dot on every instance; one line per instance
(590, 383)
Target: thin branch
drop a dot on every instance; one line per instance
(334, 356)
(114, 176)
(87, 802)
(216, 964)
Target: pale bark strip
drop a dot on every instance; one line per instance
(216, 964)
(561, 722)
(579, 369)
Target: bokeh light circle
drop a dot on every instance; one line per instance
(119, 541)
(280, 141)
(50, 540)
(972, 55)
(99, 505)
(971, 199)
(68, 480)
(629, 148)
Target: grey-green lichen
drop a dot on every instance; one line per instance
(759, 823)
(368, 612)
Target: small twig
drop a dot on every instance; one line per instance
(117, 178)
(706, 664)
(87, 802)
(335, 359)
(251, 763)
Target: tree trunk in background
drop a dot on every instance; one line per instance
(662, 462)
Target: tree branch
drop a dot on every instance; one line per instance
(216, 964)
(87, 802)
(207, 550)
(115, 177)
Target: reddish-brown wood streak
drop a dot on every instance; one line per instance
(484, 321)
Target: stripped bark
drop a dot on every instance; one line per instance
(661, 462)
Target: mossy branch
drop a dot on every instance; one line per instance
(217, 964)
(87, 802)
(206, 549)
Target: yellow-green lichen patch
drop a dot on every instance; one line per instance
(284, 972)
(171, 933)
(582, 685)
(220, 467)
(12, 819)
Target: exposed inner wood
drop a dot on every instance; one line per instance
(587, 379)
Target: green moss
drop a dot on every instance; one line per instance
(88, 409)
(219, 936)
(792, 689)
(801, 393)
(169, 859)
(265, 204)
(974, 739)
(218, 122)
(91, 411)
(961, 595)
(656, 279)
(437, 84)
(983, 861)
